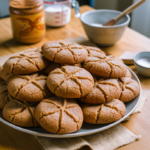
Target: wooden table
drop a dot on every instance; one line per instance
(11, 139)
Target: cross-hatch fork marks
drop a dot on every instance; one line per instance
(25, 106)
(69, 76)
(125, 86)
(98, 113)
(62, 109)
(107, 83)
(64, 46)
(29, 80)
(113, 107)
(102, 92)
(61, 114)
(90, 49)
(32, 114)
(28, 58)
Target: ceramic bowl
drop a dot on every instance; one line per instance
(141, 68)
(100, 35)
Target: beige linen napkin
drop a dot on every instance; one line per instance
(106, 140)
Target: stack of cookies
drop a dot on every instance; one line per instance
(64, 85)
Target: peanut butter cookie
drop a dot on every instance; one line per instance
(70, 82)
(59, 115)
(130, 89)
(30, 88)
(4, 99)
(103, 91)
(106, 66)
(25, 63)
(94, 51)
(20, 113)
(104, 113)
(4, 75)
(64, 52)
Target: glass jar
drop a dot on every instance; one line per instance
(28, 20)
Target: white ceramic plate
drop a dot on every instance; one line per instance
(86, 129)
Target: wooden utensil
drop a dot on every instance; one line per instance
(112, 22)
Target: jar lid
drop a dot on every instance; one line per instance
(21, 4)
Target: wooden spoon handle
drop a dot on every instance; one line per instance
(129, 9)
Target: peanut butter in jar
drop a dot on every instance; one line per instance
(28, 20)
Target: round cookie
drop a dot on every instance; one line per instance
(4, 75)
(20, 113)
(4, 99)
(70, 82)
(25, 63)
(104, 113)
(130, 89)
(64, 52)
(53, 65)
(106, 66)
(103, 91)
(59, 115)
(30, 88)
(94, 51)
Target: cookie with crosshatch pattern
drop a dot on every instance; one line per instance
(59, 115)
(30, 88)
(64, 52)
(70, 82)
(104, 113)
(20, 113)
(25, 63)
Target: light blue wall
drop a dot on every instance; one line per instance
(4, 8)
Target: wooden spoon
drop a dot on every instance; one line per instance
(112, 22)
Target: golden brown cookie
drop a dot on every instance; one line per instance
(94, 51)
(64, 52)
(106, 66)
(104, 113)
(59, 115)
(4, 99)
(103, 91)
(70, 82)
(25, 63)
(128, 74)
(4, 75)
(53, 65)
(130, 89)
(30, 88)
(20, 113)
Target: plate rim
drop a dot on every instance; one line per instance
(77, 134)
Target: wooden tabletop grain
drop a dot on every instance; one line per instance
(11, 139)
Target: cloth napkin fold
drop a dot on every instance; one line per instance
(109, 139)
(106, 140)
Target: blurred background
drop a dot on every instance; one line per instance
(140, 18)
